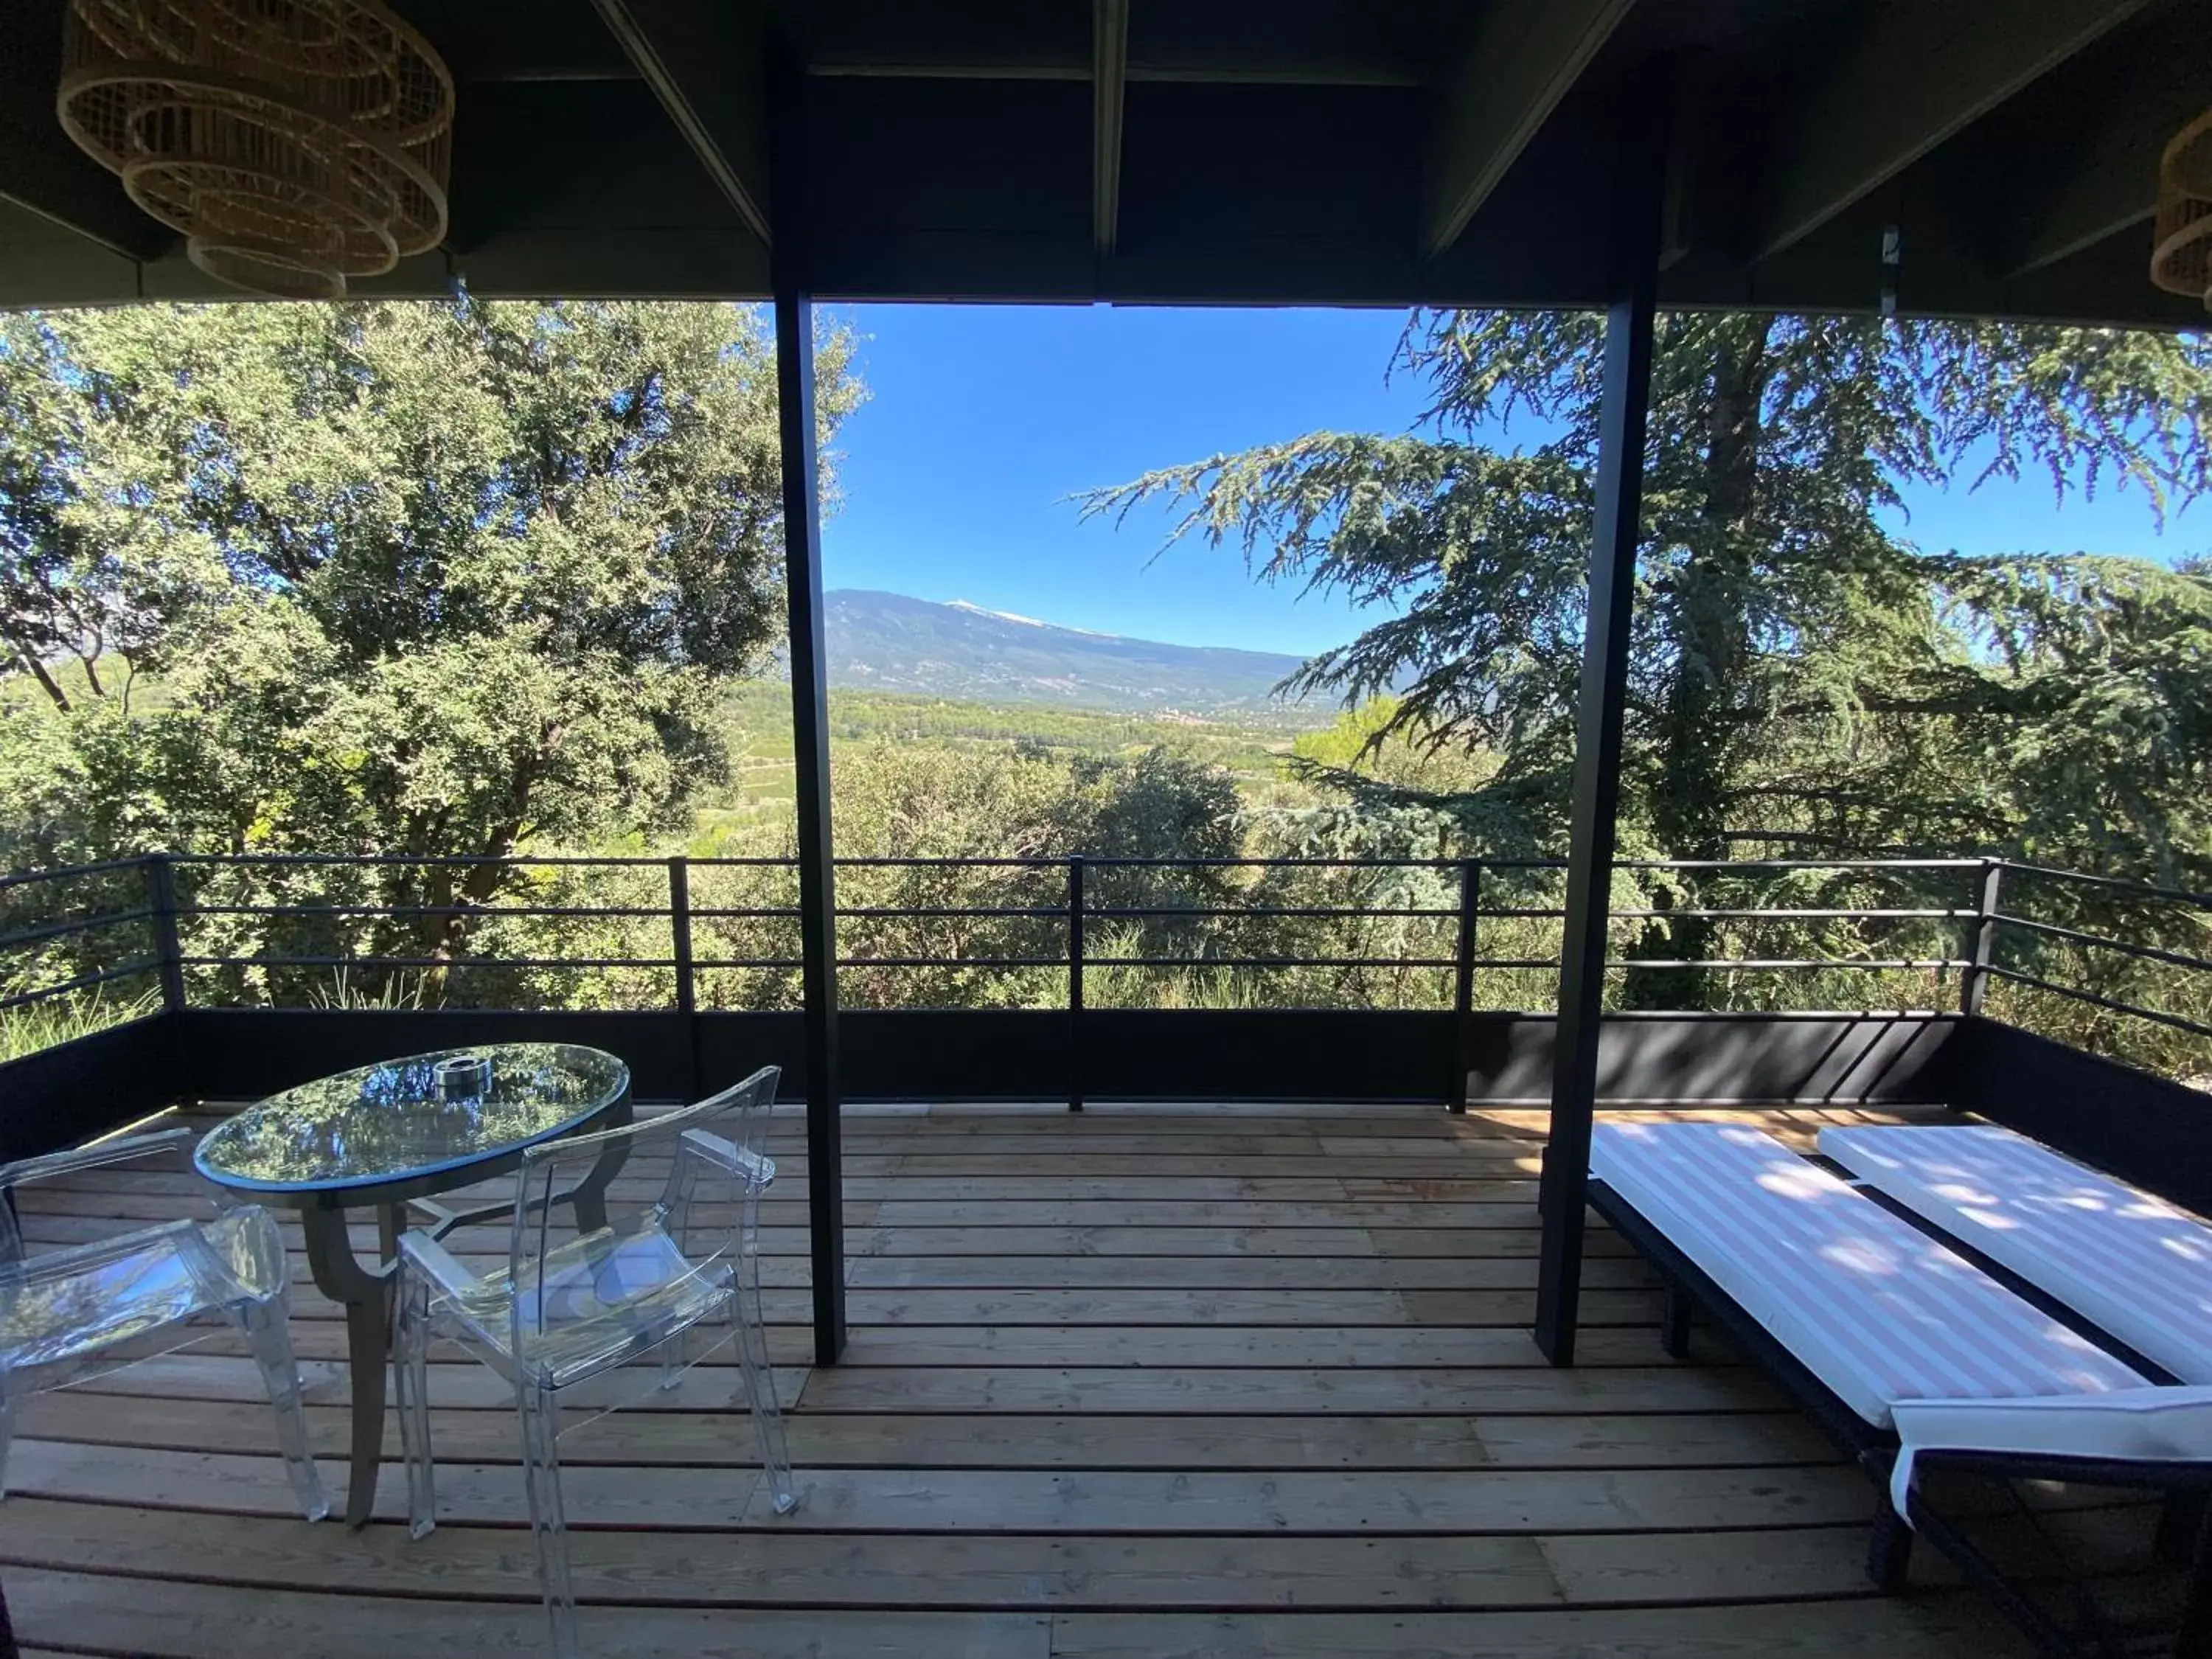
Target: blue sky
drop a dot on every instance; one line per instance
(984, 419)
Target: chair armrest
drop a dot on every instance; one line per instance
(27, 1169)
(755, 1168)
(426, 1255)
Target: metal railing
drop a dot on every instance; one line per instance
(65, 947)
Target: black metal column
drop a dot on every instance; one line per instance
(810, 695)
(1638, 213)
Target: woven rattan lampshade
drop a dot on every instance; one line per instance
(2181, 252)
(295, 143)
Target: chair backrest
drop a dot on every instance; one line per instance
(639, 1220)
(171, 1146)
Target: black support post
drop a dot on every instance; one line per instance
(1982, 939)
(810, 693)
(1639, 212)
(161, 900)
(687, 983)
(1075, 984)
(1470, 905)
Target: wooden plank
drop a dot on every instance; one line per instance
(1933, 1627)
(1735, 1566)
(1275, 1502)
(1467, 1272)
(1513, 1209)
(778, 1568)
(177, 1620)
(1534, 1388)
(705, 1439)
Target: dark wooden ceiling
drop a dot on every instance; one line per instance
(1246, 151)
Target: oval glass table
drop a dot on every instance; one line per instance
(388, 1135)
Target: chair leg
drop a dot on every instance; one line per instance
(410, 1377)
(1889, 1548)
(753, 1363)
(549, 1520)
(267, 1326)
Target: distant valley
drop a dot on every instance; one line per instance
(890, 642)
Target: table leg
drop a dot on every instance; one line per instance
(589, 1195)
(365, 1295)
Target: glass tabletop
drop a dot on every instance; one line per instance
(394, 1123)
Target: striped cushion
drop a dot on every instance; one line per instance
(2133, 1264)
(1866, 1302)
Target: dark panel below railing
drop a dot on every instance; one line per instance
(66, 1094)
(2144, 1130)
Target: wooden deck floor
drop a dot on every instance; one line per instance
(1124, 1386)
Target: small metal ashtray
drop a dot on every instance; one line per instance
(464, 1077)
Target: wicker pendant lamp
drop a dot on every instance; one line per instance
(295, 143)
(2181, 253)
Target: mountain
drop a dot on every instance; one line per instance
(889, 642)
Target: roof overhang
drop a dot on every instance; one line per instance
(1364, 152)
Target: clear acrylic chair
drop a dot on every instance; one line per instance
(594, 1293)
(64, 1311)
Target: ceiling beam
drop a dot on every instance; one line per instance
(1109, 68)
(1919, 72)
(1513, 65)
(2093, 173)
(705, 65)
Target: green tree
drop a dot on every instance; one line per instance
(423, 579)
(1802, 676)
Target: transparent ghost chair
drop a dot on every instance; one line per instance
(63, 1312)
(594, 1292)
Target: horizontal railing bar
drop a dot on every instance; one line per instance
(1269, 961)
(1798, 864)
(427, 860)
(950, 863)
(392, 912)
(743, 913)
(1293, 864)
(2176, 1021)
(1221, 914)
(2136, 888)
(83, 983)
(1954, 914)
(900, 911)
(2149, 952)
(64, 929)
(747, 962)
(426, 961)
(68, 871)
(1782, 962)
(954, 962)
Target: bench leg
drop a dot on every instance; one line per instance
(1889, 1548)
(1674, 1322)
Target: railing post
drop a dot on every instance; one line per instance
(1974, 978)
(1470, 901)
(687, 988)
(1075, 984)
(161, 899)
